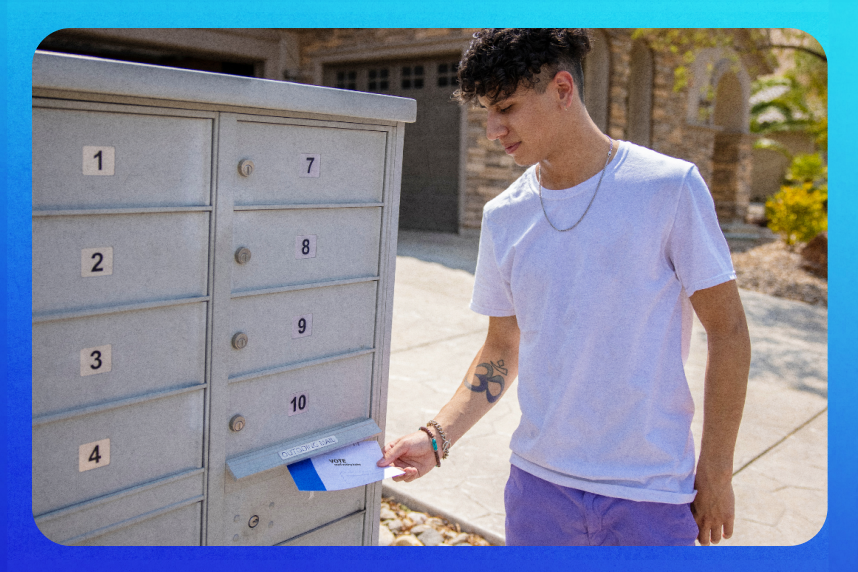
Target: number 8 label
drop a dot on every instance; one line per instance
(305, 246)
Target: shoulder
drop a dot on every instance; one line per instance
(647, 166)
(509, 203)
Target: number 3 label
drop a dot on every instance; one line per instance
(96, 261)
(302, 326)
(98, 160)
(95, 360)
(309, 165)
(93, 455)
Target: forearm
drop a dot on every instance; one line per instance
(488, 378)
(725, 387)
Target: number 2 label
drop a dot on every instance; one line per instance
(96, 261)
(93, 455)
(309, 165)
(302, 326)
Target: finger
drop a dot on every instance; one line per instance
(716, 534)
(703, 535)
(728, 528)
(392, 451)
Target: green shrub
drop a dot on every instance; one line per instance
(798, 212)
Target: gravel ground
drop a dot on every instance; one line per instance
(401, 526)
(774, 268)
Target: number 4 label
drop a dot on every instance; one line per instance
(93, 455)
(309, 165)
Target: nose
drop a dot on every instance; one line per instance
(495, 128)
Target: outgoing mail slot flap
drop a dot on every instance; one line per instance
(300, 448)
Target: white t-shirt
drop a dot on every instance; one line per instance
(605, 321)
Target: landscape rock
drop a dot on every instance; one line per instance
(407, 540)
(385, 537)
(459, 539)
(814, 255)
(420, 528)
(430, 537)
(395, 526)
(387, 514)
(418, 517)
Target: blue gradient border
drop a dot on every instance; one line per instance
(832, 23)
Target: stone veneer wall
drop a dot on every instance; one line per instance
(489, 170)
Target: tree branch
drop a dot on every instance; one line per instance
(792, 47)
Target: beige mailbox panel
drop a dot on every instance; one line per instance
(337, 319)
(149, 350)
(334, 392)
(296, 164)
(145, 441)
(87, 262)
(282, 510)
(347, 531)
(179, 527)
(87, 159)
(305, 245)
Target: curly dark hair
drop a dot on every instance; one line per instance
(498, 61)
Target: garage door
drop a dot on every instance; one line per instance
(430, 171)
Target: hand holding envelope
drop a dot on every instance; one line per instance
(345, 468)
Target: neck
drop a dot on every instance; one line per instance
(580, 155)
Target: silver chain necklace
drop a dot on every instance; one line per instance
(539, 182)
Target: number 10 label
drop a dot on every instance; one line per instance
(309, 165)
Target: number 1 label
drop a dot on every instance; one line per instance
(98, 160)
(309, 165)
(93, 455)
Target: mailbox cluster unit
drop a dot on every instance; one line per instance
(213, 262)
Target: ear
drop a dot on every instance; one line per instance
(566, 89)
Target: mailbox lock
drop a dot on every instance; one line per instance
(254, 520)
(236, 424)
(242, 255)
(245, 167)
(239, 340)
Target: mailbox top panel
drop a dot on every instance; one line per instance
(93, 75)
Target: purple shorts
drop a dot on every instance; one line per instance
(539, 513)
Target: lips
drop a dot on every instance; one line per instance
(511, 149)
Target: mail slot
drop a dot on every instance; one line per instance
(136, 159)
(299, 164)
(305, 245)
(106, 260)
(99, 359)
(292, 327)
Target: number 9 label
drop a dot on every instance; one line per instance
(302, 326)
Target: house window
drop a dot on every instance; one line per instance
(347, 79)
(447, 74)
(412, 77)
(378, 80)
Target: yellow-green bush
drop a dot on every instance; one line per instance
(798, 212)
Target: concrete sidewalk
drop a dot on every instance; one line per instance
(781, 457)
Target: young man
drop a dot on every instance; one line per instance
(589, 266)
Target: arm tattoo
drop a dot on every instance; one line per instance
(486, 378)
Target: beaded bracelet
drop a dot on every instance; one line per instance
(434, 445)
(445, 444)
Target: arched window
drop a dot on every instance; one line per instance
(640, 95)
(597, 69)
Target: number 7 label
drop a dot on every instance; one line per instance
(309, 165)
